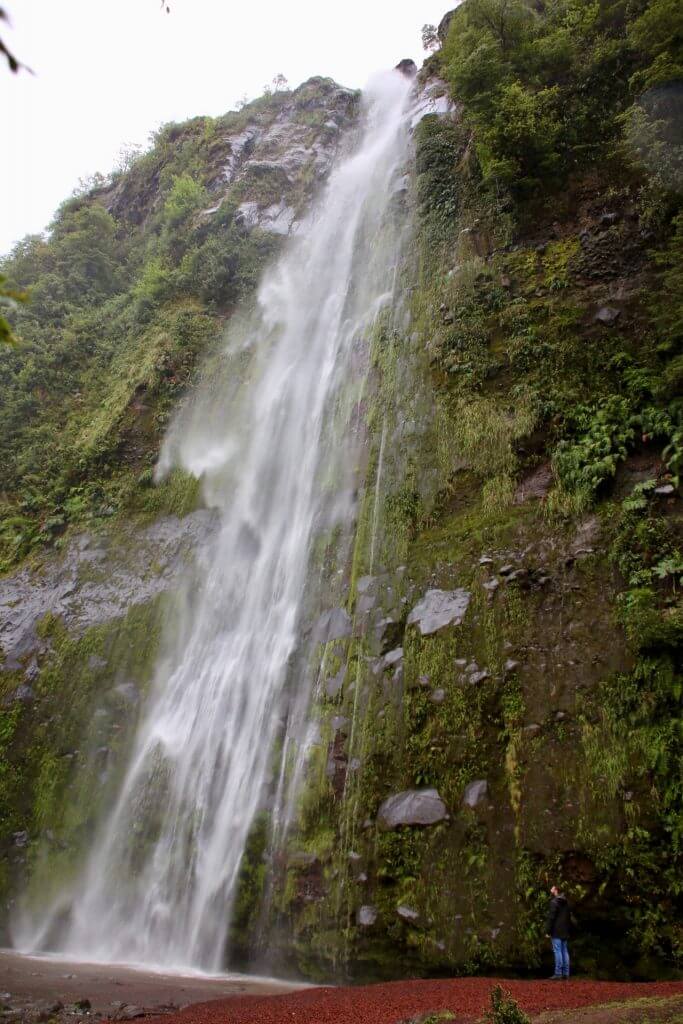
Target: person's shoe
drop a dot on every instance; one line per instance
(555, 977)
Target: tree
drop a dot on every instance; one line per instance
(430, 38)
(279, 82)
(9, 297)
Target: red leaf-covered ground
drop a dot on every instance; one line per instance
(396, 1001)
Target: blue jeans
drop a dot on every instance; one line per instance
(561, 954)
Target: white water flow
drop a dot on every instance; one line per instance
(276, 453)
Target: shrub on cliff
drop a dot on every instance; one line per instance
(544, 85)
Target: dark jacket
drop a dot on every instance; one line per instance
(557, 925)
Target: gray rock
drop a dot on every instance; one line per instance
(665, 490)
(20, 838)
(407, 67)
(491, 586)
(505, 570)
(412, 807)
(479, 677)
(366, 916)
(32, 671)
(510, 666)
(439, 608)
(364, 584)
(339, 723)
(392, 658)
(433, 99)
(607, 316)
(475, 793)
(334, 624)
(533, 729)
(334, 684)
(438, 697)
(22, 695)
(407, 914)
(90, 583)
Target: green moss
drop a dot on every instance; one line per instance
(59, 759)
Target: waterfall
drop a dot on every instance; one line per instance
(274, 442)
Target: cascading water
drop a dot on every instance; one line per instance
(275, 449)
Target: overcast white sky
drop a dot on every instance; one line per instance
(109, 73)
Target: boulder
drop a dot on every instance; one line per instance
(607, 316)
(366, 916)
(334, 624)
(479, 677)
(334, 684)
(364, 584)
(412, 807)
(22, 695)
(407, 914)
(475, 793)
(392, 658)
(407, 67)
(439, 608)
(438, 696)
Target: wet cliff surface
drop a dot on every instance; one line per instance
(498, 705)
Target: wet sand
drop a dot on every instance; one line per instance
(30, 979)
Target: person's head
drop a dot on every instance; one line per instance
(554, 891)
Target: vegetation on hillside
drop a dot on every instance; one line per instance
(555, 208)
(131, 283)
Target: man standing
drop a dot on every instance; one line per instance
(557, 930)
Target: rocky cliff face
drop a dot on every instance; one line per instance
(272, 158)
(500, 703)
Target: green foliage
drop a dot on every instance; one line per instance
(121, 304)
(9, 297)
(440, 147)
(657, 32)
(250, 881)
(605, 434)
(544, 84)
(504, 1010)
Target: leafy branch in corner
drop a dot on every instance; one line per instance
(14, 64)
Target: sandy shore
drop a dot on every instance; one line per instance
(30, 979)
